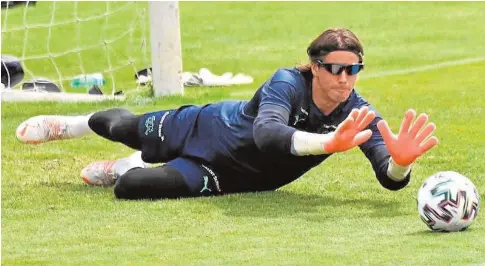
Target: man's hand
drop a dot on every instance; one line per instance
(412, 141)
(350, 132)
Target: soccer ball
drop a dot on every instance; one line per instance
(448, 201)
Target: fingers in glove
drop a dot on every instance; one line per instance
(407, 120)
(418, 125)
(369, 117)
(362, 137)
(386, 132)
(346, 124)
(428, 144)
(426, 133)
(362, 113)
(354, 114)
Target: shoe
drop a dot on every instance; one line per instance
(43, 128)
(99, 173)
(105, 173)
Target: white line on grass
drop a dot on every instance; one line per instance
(423, 68)
(396, 72)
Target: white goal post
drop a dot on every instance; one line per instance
(166, 48)
(57, 41)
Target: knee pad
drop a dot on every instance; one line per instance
(151, 183)
(116, 124)
(103, 120)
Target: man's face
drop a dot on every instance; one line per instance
(335, 88)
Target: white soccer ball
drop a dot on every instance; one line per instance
(448, 201)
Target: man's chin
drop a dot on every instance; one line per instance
(343, 98)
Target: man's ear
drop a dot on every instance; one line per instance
(314, 68)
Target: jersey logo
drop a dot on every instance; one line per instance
(300, 118)
(324, 129)
(303, 111)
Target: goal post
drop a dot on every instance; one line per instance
(166, 48)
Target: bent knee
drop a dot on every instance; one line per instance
(151, 183)
(120, 189)
(122, 185)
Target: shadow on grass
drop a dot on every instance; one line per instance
(274, 204)
(279, 204)
(439, 233)
(77, 187)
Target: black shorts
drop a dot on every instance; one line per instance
(186, 138)
(164, 135)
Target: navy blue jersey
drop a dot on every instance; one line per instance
(248, 142)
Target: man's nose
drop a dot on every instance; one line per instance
(342, 77)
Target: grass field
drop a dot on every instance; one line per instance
(336, 214)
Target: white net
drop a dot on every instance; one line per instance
(58, 41)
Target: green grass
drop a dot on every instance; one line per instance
(337, 214)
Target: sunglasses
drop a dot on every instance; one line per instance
(337, 69)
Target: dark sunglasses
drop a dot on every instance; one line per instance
(337, 69)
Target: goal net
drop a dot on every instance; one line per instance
(59, 41)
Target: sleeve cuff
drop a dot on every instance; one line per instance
(304, 143)
(397, 172)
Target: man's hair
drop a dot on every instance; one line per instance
(334, 39)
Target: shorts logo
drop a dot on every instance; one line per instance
(149, 125)
(206, 182)
(214, 177)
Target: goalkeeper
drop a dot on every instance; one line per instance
(298, 118)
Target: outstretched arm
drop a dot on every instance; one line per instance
(270, 130)
(272, 134)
